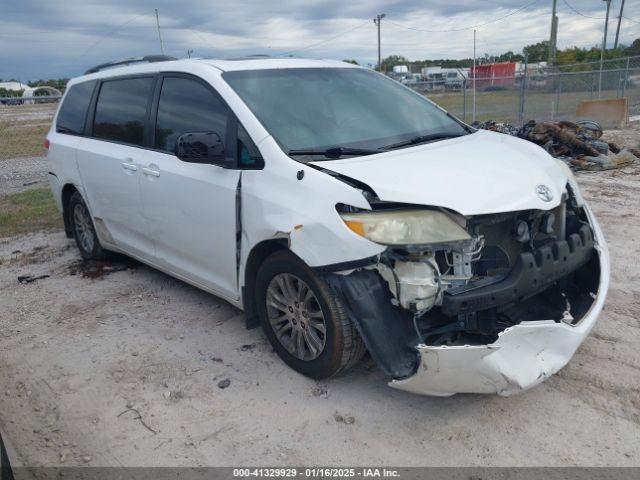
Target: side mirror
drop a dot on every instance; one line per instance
(201, 147)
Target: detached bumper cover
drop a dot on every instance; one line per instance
(522, 357)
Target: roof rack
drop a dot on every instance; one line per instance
(129, 61)
(255, 56)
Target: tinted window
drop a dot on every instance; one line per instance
(187, 106)
(122, 109)
(248, 154)
(73, 110)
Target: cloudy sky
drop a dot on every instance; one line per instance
(55, 38)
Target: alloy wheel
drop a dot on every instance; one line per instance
(296, 317)
(83, 228)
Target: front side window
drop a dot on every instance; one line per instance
(121, 110)
(187, 106)
(248, 154)
(319, 108)
(73, 111)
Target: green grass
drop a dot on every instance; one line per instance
(503, 106)
(23, 138)
(28, 211)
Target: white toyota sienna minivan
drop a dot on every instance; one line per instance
(342, 211)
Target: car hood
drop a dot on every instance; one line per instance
(481, 173)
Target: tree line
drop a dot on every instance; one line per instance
(537, 52)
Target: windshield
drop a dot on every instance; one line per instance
(314, 109)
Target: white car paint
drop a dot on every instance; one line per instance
(110, 175)
(194, 234)
(268, 216)
(182, 221)
(482, 173)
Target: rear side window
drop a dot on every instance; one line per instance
(121, 110)
(187, 106)
(73, 111)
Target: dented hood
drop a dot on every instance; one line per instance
(481, 173)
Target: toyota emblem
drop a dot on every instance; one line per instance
(544, 193)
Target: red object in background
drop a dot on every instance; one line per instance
(46, 143)
(498, 74)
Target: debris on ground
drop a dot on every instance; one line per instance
(224, 383)
(500, 127)
(347, 420)
(138, 417)
(97, 268)
(578, 144)
(173, 395)
(320, 391)
(31, 278)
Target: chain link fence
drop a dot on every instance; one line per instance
(541, 94)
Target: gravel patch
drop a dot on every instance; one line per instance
(18, 174)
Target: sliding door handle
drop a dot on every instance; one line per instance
(151, 172)
(129, 167)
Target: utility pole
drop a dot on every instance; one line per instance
(604, 47)
(615, 45)
(159, 34)
(377, 21)
(553, 40)
(474, 76)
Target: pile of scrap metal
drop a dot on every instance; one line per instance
(579, 144)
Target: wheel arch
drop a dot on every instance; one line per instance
(67, 191)
(256, 257)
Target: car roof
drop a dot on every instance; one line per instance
(266, 63)
(228, 65)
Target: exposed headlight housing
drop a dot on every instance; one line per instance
(406, 227)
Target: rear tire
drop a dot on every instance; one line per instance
(83, 230)
(305, 322)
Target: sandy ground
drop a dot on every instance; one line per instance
(18, 174)
(123, 367)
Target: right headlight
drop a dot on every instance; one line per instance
(406, 227)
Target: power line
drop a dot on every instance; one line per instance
(108, 34)
(326, 40)
(593, 18)
(579, 12)
(472, 27)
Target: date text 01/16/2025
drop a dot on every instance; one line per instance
(316, 472)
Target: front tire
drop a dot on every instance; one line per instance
(305, 322)
(83, 230)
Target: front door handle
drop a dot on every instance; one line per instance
(150, 171)
(129, 166)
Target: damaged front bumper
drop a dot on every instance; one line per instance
(523, 356)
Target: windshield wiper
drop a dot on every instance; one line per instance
(333, 152)
(422, 139)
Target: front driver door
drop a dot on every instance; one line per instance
(191, 207)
